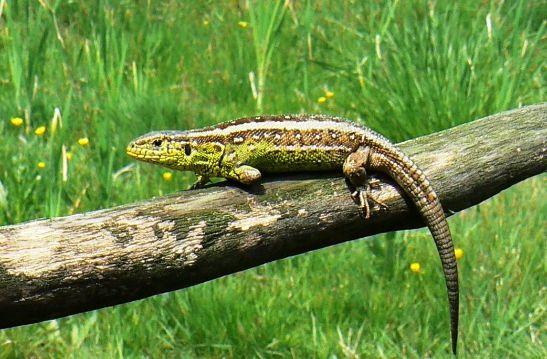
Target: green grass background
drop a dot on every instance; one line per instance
(117, 69)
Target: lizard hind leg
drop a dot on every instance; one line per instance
(355, 172)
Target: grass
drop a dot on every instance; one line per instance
(109, 71)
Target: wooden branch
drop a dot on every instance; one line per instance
(53, 268)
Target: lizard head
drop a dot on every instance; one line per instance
(176, 150)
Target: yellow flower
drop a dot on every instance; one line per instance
(69, 156)
(205, 22)
(41, 165)
(40, 131)
(167, 176)
(84, 141)
(16, 121)
(458, 252)
(322, 99)
(243, 24)
(415, 267)
(329, 94)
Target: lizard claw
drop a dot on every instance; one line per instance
(362, 196)
(200, 182)
(373, 183)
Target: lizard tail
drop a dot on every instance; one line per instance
(413, 181)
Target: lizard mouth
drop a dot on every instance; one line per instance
(146, 154)
(135, 151)
(132, 150)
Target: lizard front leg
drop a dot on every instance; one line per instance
(233, 166)
(355, 172)
(201, 181)
(244, 174)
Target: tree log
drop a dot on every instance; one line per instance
(52, 268)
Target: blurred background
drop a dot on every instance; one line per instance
(80, 79)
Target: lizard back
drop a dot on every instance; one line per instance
(287, 143)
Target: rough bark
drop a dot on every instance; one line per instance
(53, 268)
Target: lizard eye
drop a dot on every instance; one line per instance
(187, 149)
(157, 143)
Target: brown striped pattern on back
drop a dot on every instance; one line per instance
(282, 130)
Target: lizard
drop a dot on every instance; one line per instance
(244, 149)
